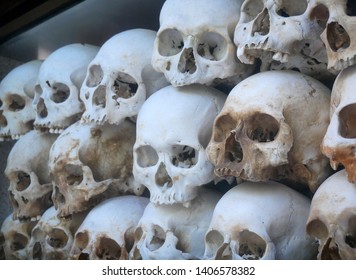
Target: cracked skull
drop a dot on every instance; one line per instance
(90, 163)
(268, 131)
(332, 218)
(282, 35)
(30, 187)
(57, 103)
(17, 90)
(174, 232)
(260, 221)
(120, 77)
(107, 233)
(52, 238)
(340, 139)
(194, 45)
(172, 165)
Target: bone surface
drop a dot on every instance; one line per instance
(271, 127)
(174, 164)
(332, 219)
(107, 232)
(17, 90)
(260, 221)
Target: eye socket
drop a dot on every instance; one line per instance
(81, 240)
(74, 174)
(19, 242)
(212, 46)
(224, 124)
(38, 89)
(350, 237)
(320, 13)
(351, 8)
(170, 42)
(289, 8)
(252, 246)
(95, 76)
(57, 238)
(251, 9)
(146, 156)
(317, 229)
(61, 93)
(16, 102)
(124, 86)
(22, 180)
(262, 127)
(108, 249)
(158, 238)
(184, 156)
(347, 121)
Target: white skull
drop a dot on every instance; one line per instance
(60, 78)
(107, 233)
(120, 77)
(332, 218)
(339, 23)
(271, 127)
(30, 187)
(260, 221)
(340, 139)
(52, 238)
(90, 163)
(173, 128)
(194, 42)
(16, 236)
(281, 34)
(175, 232)
(17, 91)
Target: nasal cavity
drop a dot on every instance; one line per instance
(41, 108)
(261, 24)
(162, 178)
(337, 36)
(187, 62)
(3, 121)
(233, 149)
(99, 96)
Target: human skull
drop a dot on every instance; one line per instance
(339, 35)
(107, 233)
(282, 36)
(266, 131)
(340, 139)
(90, 163)
(332, 218)
(52, 238)
(194, 42)
(17, 91)
(174, 164)
(57, 103)
(16, 236)
(30, 187)
(260, 221)
(175, 232)
(121, 77)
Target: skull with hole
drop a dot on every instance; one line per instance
(271, 127)
(332, 218)
(194, 43)
(107, 233)
(30, 187)
(264, 221)
(16, 237)
(339, 36)
(90, 163)
(174, 164)
(120, 77)
(282, 36)
(175, 232)
(57, 103)
(339, 143)
(52, 238)
(17, 91)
